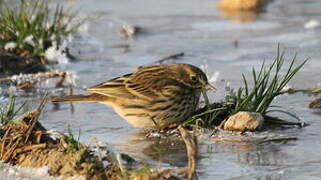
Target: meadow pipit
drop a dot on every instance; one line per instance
(156, 95)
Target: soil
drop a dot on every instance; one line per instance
(29, 144)
(10, 65)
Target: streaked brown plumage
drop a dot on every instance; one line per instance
(161, 94)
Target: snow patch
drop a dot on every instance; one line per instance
(312, 24)
(10, 45)
(56, 54)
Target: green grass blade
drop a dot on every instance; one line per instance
(284, 112)
(245, 85)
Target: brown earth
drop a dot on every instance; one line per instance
(28, 144)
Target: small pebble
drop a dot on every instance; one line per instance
(312, 24)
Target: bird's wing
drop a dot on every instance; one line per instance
(115, 87)
(154, 86)
(131, 86)
(147, 83)
(144, 86)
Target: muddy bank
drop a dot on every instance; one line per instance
(16, 64)
(28, 144)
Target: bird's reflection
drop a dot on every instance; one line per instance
(169, 150)
(262, 155)
(239, 16)
(250, 153)
(264, 160)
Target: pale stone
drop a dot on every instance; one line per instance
(242, 4)
(312, 24)
(243, 121)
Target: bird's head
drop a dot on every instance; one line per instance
(192, 76)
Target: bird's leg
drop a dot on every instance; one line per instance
(158, 128)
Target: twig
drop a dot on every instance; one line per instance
(191, 146)
(308, 90)
(26, 85)
(3, 139)
(10, 151)
(42, 103)
(252, 139)
(29, 148)
(277, 139)
(230, 139)
(35, 116)
(72, 107)
(174, 56)
(53, 133)
(62, 80)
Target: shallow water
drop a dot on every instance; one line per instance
(208, 38)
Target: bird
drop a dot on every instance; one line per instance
(153, 96)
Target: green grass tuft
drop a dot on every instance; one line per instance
(9, 112)
(70, 143)
(31, 28)
(268, 83)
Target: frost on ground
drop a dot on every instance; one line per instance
(22, 173)
(57, 54)
(21, 78)
(312, 24)
(10, 46)
(212, 77)
(25, 82)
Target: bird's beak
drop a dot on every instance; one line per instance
(209, 87)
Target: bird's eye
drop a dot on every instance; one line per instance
(194, 79)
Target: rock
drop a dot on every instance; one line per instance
(129, 31)
(242, 4)
(241, 10)
(312, 24)
(243, 121)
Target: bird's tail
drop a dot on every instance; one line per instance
(81, 97)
